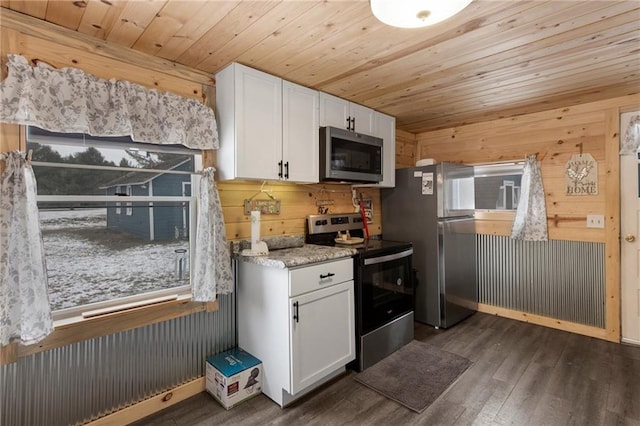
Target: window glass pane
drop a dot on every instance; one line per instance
(120, 247)
(94, 256)
(497, 187)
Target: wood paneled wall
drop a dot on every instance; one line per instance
(297, 201)
(554, 136)
(405, 149)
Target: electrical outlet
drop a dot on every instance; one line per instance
(368, 209)
(595, 221)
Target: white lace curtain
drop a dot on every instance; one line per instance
(25, 314)
(70, 101)
(212, 268)
(631, 137)
(530, 223)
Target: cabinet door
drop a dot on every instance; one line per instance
(333, 111)
(363, 118)
(386, 129)
(259, 124)
(322, 334)
(300, 133)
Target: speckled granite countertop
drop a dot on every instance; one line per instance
(298, 256)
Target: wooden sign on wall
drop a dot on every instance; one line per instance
(581, 175)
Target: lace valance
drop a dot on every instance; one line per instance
(69, 100)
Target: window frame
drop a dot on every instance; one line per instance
(74, 330)
(505, 168)
(178, 294)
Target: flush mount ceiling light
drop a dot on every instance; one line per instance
(415, 13)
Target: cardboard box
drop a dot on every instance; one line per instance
(233, 376)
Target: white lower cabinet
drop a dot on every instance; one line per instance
(299, 322)
(322, 334)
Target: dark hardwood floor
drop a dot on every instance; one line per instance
(522, 374)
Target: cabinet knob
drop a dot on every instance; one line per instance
(630, 238)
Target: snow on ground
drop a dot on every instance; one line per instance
(83, 269)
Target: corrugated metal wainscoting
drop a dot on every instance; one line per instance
(80, 382)
(556, 279)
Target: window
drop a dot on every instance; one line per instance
(96, 256)
(497, 186)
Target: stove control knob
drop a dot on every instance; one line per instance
(324, 222)
(318, 222)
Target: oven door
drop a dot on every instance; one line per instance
(386, 288)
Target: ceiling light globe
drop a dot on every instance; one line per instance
(415, 13)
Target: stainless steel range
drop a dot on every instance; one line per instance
(384, 285)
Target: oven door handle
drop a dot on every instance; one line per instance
(387, 258)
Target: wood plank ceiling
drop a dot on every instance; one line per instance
(494, 59)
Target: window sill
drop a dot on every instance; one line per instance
(495, 215)
(77, 329)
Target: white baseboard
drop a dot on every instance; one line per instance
(631, 341)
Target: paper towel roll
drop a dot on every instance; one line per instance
(255, 229)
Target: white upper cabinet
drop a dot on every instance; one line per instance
(362, 119)
(337, 112)
(300, 133)
(249, 116)
(386, 129)
(257, 140)
(334, 112)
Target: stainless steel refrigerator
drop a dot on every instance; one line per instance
(433, 206)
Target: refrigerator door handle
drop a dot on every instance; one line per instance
(441, 275)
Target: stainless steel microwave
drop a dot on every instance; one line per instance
(347, 156)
